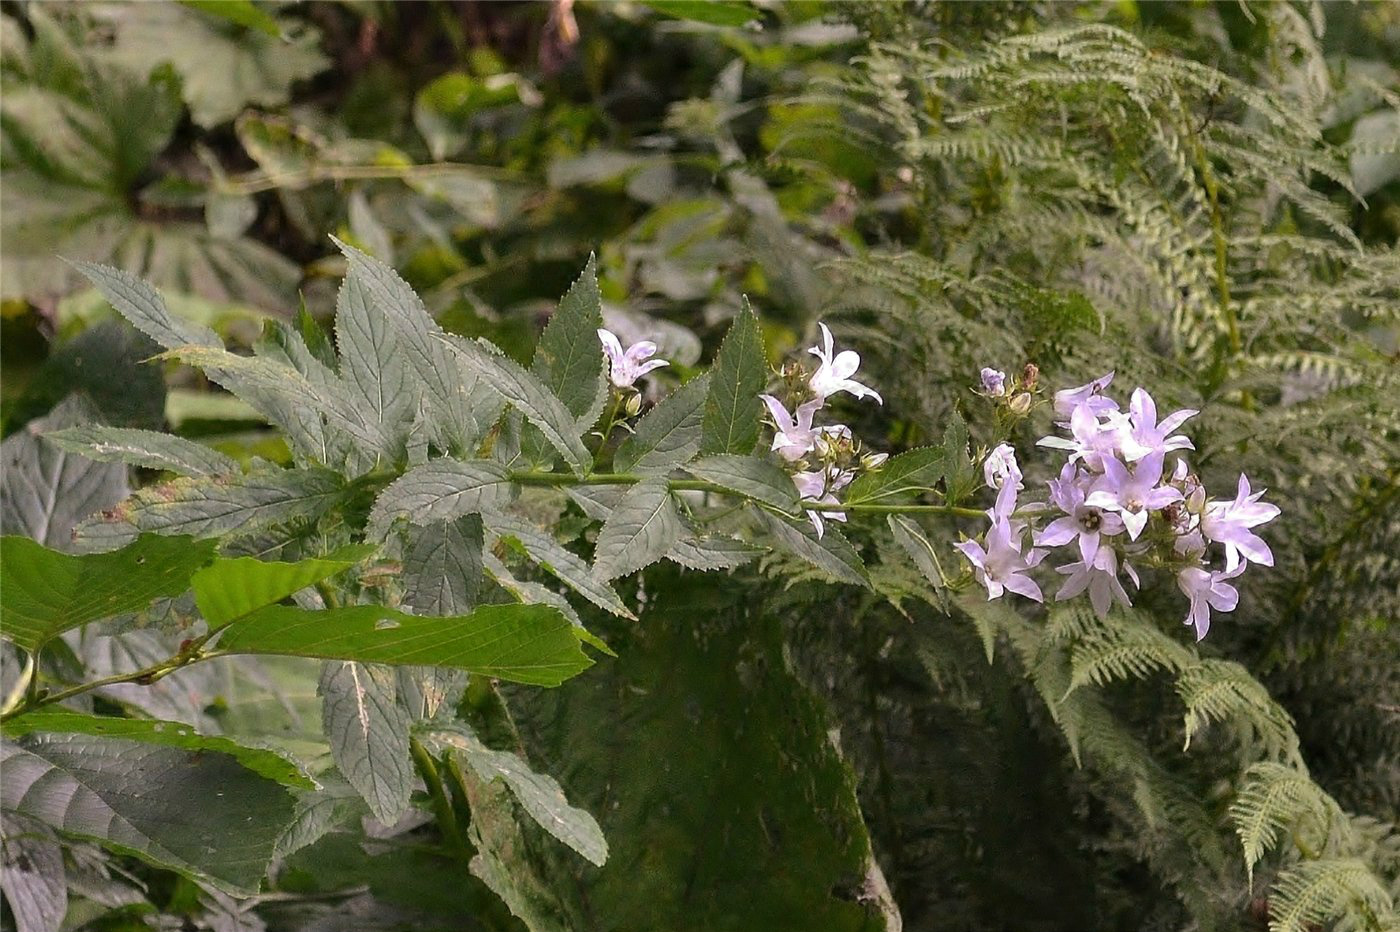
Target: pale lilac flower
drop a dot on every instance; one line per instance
(834, 373)
(627, 365)
(1001, 566)
(1089, 395)
(993, 382)
(1146, 435)
(1000, 466)
(1207, 589)
(795, 438)
(1092, 441)
(1100, 577)
(1132, 493)
(1228, 523)
(1083, 521)
(820, 486)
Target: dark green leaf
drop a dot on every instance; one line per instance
(640, 530)
(959, 475)
(231, 588)
(901, 478)
(832, 553)
(541, 547)
(568, 358)
(713, 12)
(732, 408)
(669, 434)
(749, 476)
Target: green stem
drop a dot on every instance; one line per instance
(442, 806)
(701, 485)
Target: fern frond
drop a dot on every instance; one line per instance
(1314, 893)
(1222, 690)
(1274, 797)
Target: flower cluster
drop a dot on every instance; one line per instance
(1115, 502)
(824, 458)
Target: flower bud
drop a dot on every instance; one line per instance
(633, 405)
(1021, 403)
(1029, 376)
(873, 461)
(993, 382)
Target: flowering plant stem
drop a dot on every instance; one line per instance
(701, 485)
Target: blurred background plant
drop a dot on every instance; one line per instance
(1203, 196)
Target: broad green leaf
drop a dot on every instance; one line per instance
(533, 593)
(239, 12)
(523, 643)
(47, 592)
(222, 70)
(749, 476)
(732, 408)
(565, 565)
(910, 536)
(711, 552)
(201, 813)
(261, 761)
(368, 733)
(669, 434)
(148, 448)
(44, 490)
(527, 394)
(441, 490)
(713, 12)
(640, 530)
(959, 475)
(442, 566)
(460, 407)
(568, 358)
(375, 367)
(538, 794)
(231, 588)
(901, 478)
(216, 507)
(32, 874)
(832, 553)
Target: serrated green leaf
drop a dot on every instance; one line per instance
(911, 537)
(374, 366)
(47, 592)
(142, 305)
(261, 761)
(640, 530)
(442, 574)
(568, 359)
(832, 553)
(565, 565)
(460, 407)
(441, 490)
(531, 644)
(231, 588)
(527, 394)
(710, 552)
(748, 476)
(538, 794)
(669, 434)
(959, 474)
(901, 478)
(210, 507)
(732, 407)
(201, 813)
(148, 448)
(368, 733)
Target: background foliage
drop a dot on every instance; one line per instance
(1204, 197)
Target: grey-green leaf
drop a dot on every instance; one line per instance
(640, 530)
(669, 434)
(526, 393)
(441, 490)
(215, 507)
(959, 475)
(731, 408)
(442, 573)
(148, 448)
(368, 733)
(374, 366)
(201, 813)
(748, 476)
(710, 552)
(32, 874)
(565, 565)
(538, 794)
(832, 553)
(568, 358)
(141, 304)
(47, 592)
(909, 536)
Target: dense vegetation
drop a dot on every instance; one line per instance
(348, 584)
